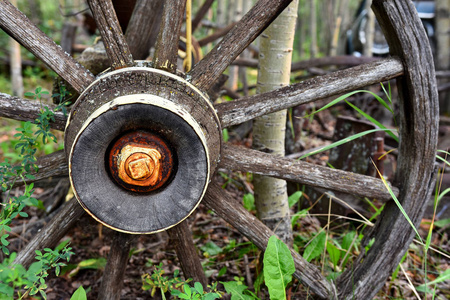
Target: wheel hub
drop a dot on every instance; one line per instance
(142, 145)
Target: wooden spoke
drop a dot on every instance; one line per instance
(141, 26)
(247, 160)
(19, 27)
(181, 238)
(415, 170)
(25, 110)
(115, 44)
(167, 45)
(336, 83)
(201, 13)
(225, 206)
(52, 233)
(216, 35)
(208, 70)
(318, 62)
(51, 165)
(112, 280)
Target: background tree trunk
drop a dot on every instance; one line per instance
(313, 28)
(16, 65)
(442, 58)
(370, 29)
(269, 131)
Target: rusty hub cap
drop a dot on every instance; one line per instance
(141, 161)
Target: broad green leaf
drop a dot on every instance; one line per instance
(292, 199)
(315, 248)
(347, 240)
(236, 290)
(79, 294)
(198, 287)
(211, 249)
(249, 202)
(334, 253)
(278, 267)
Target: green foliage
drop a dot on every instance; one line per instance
(91, 263)
(315, 248)
(195, 293)
(210, 249)
(157, 280)
(79, 294)
(278, 267)
(294, 198)
(238, 291)
(14, 277)
(249, 202)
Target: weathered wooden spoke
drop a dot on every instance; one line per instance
(201, 13)
(207, 71)
(225, 206)
(115, 44)
(167, 45)
(25, 110)
(339, 82)
(19, 27)
(52, 233)
(140, 29)
(418, 139)
(247, 160)
(51, 165)
(112, 280)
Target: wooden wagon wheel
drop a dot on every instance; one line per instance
(132, 123)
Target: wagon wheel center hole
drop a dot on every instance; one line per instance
(141, 161)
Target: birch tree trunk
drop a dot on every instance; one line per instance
(16, 65)
(269, 131)
(442, 59)
(313, 28)
(370, 29)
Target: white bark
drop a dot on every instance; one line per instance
(269, 131)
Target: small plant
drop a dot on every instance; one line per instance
(195, 293)
(157, 281)
(14, 277)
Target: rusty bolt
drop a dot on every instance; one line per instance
(139, 165)
(140, 161)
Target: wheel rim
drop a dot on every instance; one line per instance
(205, 73)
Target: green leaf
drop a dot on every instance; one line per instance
(442, 223)
(315, 248)
(198, 287)
(334, 253)
(292, 199)
(79, 294)
(249, 202)
(236, 290)
(222, 271)
(225, 135)
(29, 94)
(278, 267)
(441, 278)
(3, 240)
(211, 249)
